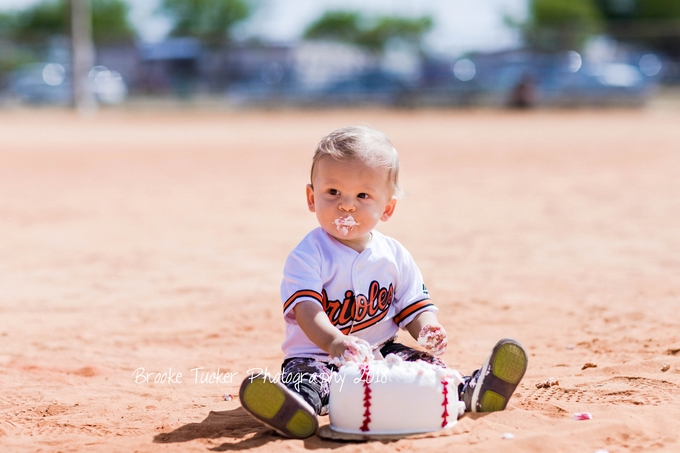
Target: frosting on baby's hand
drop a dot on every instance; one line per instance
(345, 224)
(358, 350)
(433, 339)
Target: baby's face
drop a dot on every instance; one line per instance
(349, 199)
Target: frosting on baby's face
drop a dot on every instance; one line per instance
(349, 199)
(345, 224)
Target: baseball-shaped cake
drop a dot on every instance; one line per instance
(392, 396)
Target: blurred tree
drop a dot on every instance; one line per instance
(51, 17)
(336, 26)
(41, 21)
(7, 24)
(110, 21)
(561, 24)
(372, 34)
(10, 55)
(209, 20)
(387, 28)
(639, 9)
(655, 23)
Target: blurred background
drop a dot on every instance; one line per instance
(501, 53)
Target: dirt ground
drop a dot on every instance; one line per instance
(148, 241)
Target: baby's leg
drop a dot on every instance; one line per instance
(278, 407)
(409, 354)
(309, 378)
(490, 387)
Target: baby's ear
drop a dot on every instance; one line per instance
(310, 198)
(389, 209)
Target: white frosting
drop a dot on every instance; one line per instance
(433, 339)
(358, 350)
(345, 224)
(394, 397)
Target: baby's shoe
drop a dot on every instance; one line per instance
(279, 408)
(489, 389)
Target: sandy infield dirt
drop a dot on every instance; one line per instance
(154, 241)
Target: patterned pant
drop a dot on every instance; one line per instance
(311, 378)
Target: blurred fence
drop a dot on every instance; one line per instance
(331, 73)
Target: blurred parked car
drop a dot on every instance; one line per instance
(372, 87)
(51, 83)
(41, 83)
(525, 79)
(108, 86)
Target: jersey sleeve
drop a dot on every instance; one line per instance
(301, 282)
(411, 296)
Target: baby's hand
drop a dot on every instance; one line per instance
(351, 349)
(433, 339)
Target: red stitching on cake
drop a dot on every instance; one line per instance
(367, 396)
(445, 414)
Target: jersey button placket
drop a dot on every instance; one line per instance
(357, 280)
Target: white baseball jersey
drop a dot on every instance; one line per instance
(369, 294)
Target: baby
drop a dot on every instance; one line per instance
(348, 290)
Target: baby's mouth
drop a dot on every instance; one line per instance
(345, 224)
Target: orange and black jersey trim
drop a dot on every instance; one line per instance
(412, 309)
(308, 293)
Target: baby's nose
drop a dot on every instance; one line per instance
(347, 207)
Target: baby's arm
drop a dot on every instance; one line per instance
(315, 324)
(426, 329)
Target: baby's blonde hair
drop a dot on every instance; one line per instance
(368, 145)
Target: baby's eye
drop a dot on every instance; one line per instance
(333, 191)
(363, 195)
